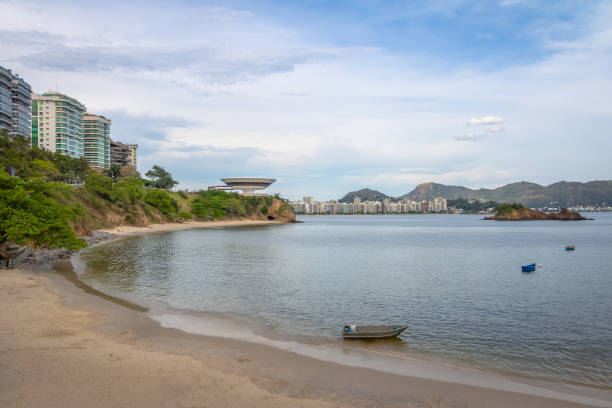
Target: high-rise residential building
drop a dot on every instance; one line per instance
(123, 155)
(57, 123)
(6, 104)
(439, 204)
(309, 199)
(96, 146)
(15, 104)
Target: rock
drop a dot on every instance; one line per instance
(527, 214)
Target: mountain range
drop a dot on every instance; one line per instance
(563, 193)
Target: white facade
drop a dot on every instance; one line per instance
(59, 124)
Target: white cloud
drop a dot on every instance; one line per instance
(256, 97)
(485, 120)
(469, 137)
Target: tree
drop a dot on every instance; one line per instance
(113, 172)
(21, 159)
(99, 184)
(161, 178)
(128, 171)
(46, 170)
(29, 214)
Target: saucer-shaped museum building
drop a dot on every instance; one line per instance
(248, 185)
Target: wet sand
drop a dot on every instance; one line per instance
(65, 344)
(61, 346)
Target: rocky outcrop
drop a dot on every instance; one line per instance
(526, 214)
(279, 210)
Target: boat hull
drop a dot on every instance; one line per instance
(528, 268)
(374, 332)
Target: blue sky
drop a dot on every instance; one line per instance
(329, 97)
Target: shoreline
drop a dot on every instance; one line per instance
(268, 374)
(129, 230)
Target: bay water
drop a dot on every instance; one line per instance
(454, 280)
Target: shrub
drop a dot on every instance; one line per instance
(264, 210)
(127, 191)
(185, 215)
(507, 209)
(216, 204)
(99, 184)
(182, 194)
(29, 214)
(162, 201)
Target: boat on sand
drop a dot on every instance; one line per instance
(371, 332)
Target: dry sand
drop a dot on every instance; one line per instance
(126, 230)
(61, 345)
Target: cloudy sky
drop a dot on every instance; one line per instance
(329, 97)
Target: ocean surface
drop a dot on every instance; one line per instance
(454, 280)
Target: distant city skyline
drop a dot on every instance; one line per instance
(333, 97)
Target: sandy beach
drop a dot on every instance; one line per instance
(62, 345)
(126, 230)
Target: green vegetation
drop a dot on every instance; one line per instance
(471, 206)
(16, 154)
(503, 210)
(162, 201)
(114, 171)
(184, 215)
(160, 178)
(365, 194)
(217, 204)
(29, 214)
(37, 209)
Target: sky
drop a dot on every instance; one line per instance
(330, 97)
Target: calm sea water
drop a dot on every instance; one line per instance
(454, 280)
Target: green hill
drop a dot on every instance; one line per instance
(566, 194)
(39, 209)
(365, 194)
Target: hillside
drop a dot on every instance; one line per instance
(365, 194)
(566, 194)
(38, 208)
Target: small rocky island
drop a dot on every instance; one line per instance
(518, 212)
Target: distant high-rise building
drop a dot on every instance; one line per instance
(15, 104)
(6, 104)
(123, 155)
(439, 204)
(97, 140)
(57, 123)
(309, 200)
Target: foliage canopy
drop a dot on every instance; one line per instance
(29, 214)
(160, 178)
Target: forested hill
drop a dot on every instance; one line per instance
(365, 194)
(566, 194)
(39, 208)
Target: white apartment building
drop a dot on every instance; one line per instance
(57, 124)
